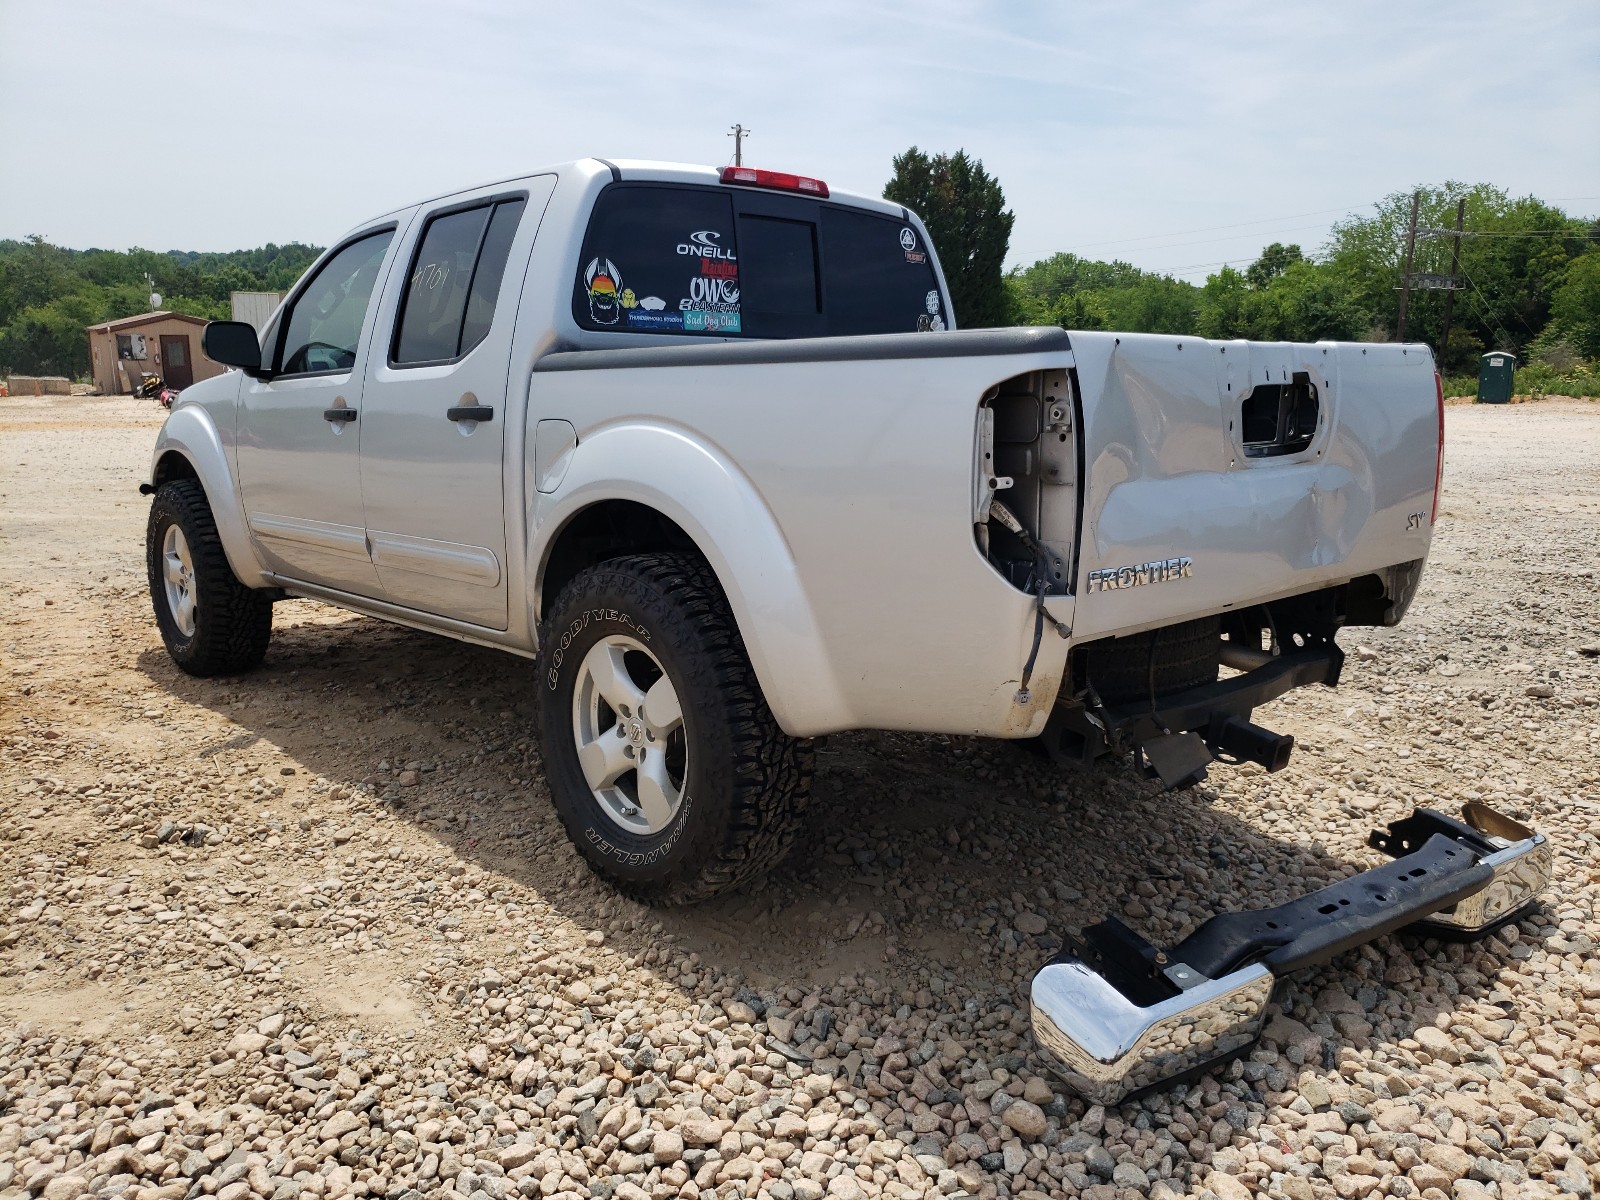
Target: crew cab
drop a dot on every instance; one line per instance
(709, 447)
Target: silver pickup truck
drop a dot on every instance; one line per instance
(708, 446)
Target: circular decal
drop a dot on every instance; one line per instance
(908, 239)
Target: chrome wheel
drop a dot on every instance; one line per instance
(628, 725)
(177, 572)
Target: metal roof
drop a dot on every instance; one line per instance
(145, 319)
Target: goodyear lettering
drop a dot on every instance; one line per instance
(557, 654)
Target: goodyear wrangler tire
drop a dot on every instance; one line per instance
(665, 764)
(211, 623)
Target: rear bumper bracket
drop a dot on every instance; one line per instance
(1120, 1016)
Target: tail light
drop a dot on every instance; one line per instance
(750, 177)
(1438, 473)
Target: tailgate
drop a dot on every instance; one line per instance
(1222, 474)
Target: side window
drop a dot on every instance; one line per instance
(455, 277)
(323, 328)
(491, 270)
(659, 259)
(879, 279)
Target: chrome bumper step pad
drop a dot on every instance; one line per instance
(1119, 1016)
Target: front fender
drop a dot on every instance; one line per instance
(191, 432)
(666, 468)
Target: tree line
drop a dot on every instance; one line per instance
(49, 294)
(1531, 270)
(1531, 273)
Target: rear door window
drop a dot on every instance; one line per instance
(454, 281)
(660, 260)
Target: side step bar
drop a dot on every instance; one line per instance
(1119, 1016)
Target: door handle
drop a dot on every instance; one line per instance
(470, 412)
(338, 414)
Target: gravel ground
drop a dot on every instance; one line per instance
(316, 933)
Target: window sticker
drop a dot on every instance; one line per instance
(605, 300)
(930, 321)
(908, 243)
(712, 305)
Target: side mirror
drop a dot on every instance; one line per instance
(233, 344)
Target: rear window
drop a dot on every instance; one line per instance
(714, 261)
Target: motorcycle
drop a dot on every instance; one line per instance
(151, 387)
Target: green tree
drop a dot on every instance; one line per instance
(1274, 261)
(1575, 307)
(964, 210)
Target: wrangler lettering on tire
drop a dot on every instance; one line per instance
(665, 764)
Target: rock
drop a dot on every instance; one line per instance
(1539, 691)
(789, 1127)
(1227, 1187)
(1026, 1118)
(271, 1026)
(478, 1059)
(738, 1010)
(666, 1147)
(518, 1154)
(66, 1187)
(1423, 1177)
(1452, 1160)
(1031, 922)
(701, 1131)
(339, 1124)
(846, 1187)
(1099, 1161)
(1437, 1043)
(1038, 1092)
(1315, 1092)
(247, 1043)
(1127, 1175)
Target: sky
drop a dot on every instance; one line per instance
(1176, 136)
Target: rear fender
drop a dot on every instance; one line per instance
(691, 483)
(191, 433)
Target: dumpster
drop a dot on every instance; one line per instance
(1495, 376)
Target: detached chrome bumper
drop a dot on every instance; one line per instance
(1119, 1016)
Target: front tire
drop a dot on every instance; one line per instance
(211, 623)
(665, 764)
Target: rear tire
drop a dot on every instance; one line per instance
(666, 767)
(211, 623)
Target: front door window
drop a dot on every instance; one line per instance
(324, 326)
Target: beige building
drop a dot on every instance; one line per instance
(166, 343)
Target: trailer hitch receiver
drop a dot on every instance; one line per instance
(1119, 1016)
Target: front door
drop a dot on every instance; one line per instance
(300, 427)
(176, 368)
(434, 421)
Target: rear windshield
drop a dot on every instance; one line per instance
(719, 262)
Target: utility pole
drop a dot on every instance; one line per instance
(1455, 267)
(1405, 280)
(739, 133)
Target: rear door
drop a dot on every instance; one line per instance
(434, 421)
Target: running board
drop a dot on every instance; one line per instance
(1119, 1016)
